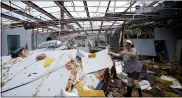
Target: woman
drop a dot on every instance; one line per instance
(132, 66)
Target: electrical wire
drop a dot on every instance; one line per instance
(97, 8)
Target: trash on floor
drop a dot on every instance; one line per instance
(145, 85)
(40, 57)
(48, 61)
(176, 83)
(2, 84)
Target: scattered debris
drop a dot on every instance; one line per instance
(69, 85)
(92, 55)
(29, 75)
(24, 53)
(175, 82)
(145, 85)
(170, 94)
(40, 57)
(14, 62)
(2, 84)
(115, 92)
(72, 64)
(77, 82)
(86, 93)
(34, 73)
(48, 61)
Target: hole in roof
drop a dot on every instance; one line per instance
(44, 3)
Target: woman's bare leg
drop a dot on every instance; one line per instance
(136, 82)
(130, 81)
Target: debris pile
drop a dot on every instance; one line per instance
(77, 83)
(24, 53)
(167, 76)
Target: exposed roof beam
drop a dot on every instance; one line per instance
(18, 20)
(87, 11)
(105, 14)
(108, 6)
(36, 7)
(15, 19)
(132, 3)
(7, 7)
(127, 18)
(10, 17)
(66, 11)
(103, 29)
(153, 3)
(122, 18)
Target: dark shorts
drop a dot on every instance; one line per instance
(134, 75)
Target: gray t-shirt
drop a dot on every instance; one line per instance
(132, 64)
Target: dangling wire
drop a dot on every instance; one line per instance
(97, 8)
(114, 6)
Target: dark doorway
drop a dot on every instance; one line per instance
(161, 50)
(13, 42)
